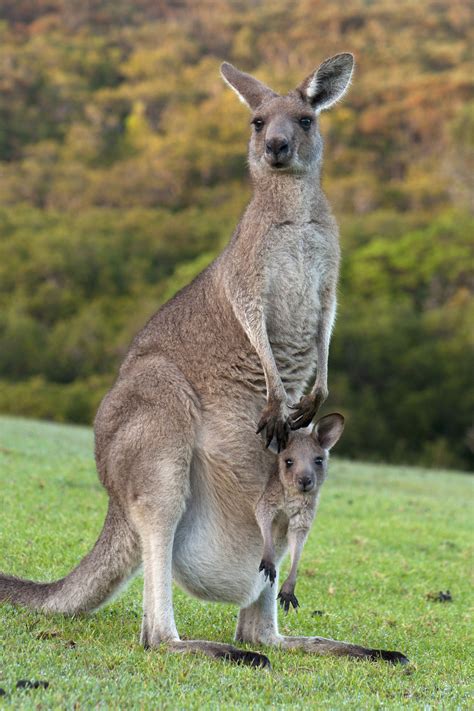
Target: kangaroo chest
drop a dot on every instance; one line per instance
(298, 276)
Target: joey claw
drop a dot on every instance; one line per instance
(269, 570)
(287, 600)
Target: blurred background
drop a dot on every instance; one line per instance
(123, 173)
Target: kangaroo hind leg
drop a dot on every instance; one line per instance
(162, 437)
(156, 514)
(258, 625)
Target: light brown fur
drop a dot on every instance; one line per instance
(286, 509)
(176, 447)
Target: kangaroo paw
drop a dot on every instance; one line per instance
(303, 412)
(275, 425)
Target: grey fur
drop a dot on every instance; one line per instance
(175, 438)
(286, 509)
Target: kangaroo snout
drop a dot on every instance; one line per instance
(277, 150)
(305, 483)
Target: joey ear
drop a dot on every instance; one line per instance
(249, 90)
(329, 82)
(328, 430)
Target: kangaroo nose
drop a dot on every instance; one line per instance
(278, 145)
(305, 483)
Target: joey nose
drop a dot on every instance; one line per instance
(277, 146)
(305, 483)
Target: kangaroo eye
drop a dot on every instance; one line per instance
(289, 463)
(305, 122)
(318, 461)
(258, 124)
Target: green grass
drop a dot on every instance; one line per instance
(385, 537)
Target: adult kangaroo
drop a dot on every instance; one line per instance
(175, 439)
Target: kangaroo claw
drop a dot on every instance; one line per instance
(275, 425)
(303, 412)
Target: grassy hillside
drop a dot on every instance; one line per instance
(386, 537)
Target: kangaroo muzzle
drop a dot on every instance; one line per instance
(277, 151)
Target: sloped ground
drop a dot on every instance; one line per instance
(385, 539)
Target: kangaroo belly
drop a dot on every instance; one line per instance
(208, 564)
(218, 546)
(212, 565)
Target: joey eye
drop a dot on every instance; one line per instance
(258, 124)
(305, 122)
(318, 461)
(289, 463)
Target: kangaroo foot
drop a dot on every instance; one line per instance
(322, 646)
(390, 657)
(217, 650)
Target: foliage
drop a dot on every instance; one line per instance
(122, 173)
(370, 583)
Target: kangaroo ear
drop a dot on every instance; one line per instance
(329, 83)
(249, 90)
(328, 430)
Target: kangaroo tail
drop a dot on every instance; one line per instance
(111, 562)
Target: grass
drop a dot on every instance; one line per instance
(385, 538)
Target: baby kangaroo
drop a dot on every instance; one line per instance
(288, 505)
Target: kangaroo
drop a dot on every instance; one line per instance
(288, 505)
(232, 352)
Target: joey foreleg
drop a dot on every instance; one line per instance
(267, 564)
(264, 518)
(296, 539)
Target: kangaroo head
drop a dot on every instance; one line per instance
(285, 136)
(302, 466)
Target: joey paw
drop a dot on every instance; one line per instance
(269, 570)
(287, 600)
